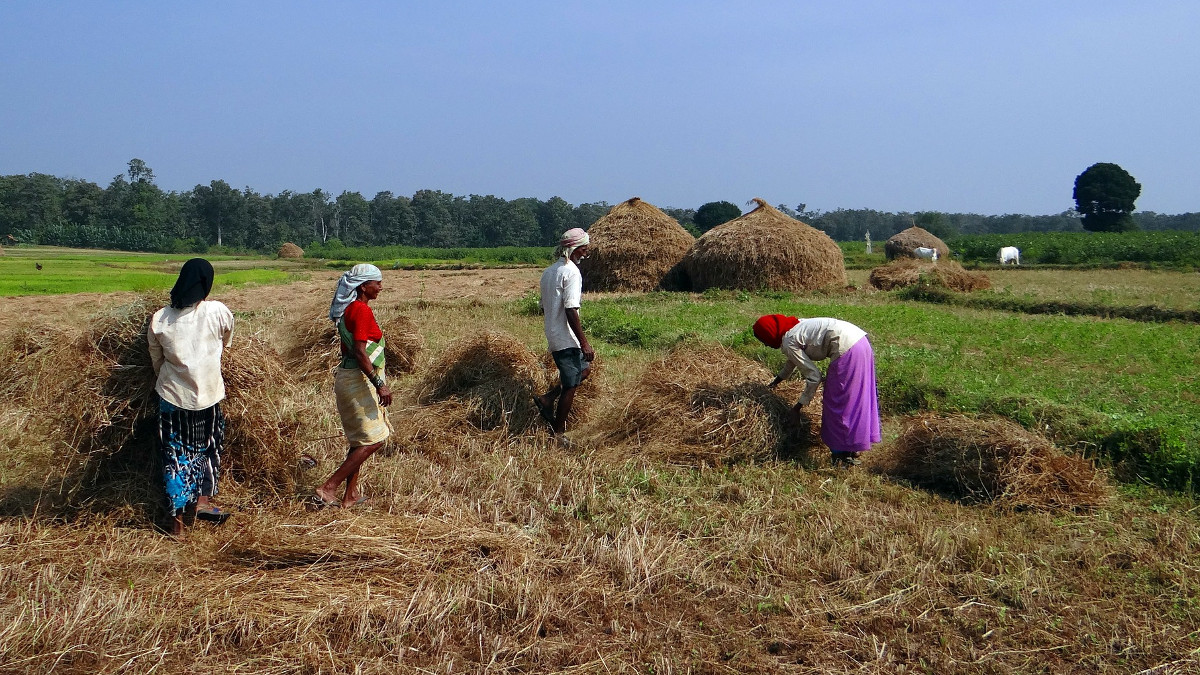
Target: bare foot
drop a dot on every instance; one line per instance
(177, 526)
(327, 498)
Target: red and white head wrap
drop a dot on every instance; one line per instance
(770, 329)
(571, 240)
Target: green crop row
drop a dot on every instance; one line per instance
(1166, 247)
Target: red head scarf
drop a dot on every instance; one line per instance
(769, 329)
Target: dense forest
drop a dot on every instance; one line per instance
(133, 213)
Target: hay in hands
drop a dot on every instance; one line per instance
(765, 250)
(402, 344)
(709, 405)
(493, 376)
(904, 272)
(902, 244)
(290, 250)
(636, 247)
(993, 460)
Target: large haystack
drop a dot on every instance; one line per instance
(290, 250)
(765, 250)
(993, 460)
(636, 247)
(710, 405)
(904, 272)
(493, 376)
(901, 244)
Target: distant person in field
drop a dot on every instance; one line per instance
(850, 403)
(360, 384)
(561, 291)
(186, 340)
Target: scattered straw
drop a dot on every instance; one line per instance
(765, 249)
(993, 460)
(636, 247)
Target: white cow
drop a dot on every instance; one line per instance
(924, 252)
(1009, 254)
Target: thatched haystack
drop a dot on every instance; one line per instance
(765, 249)
(902, 244)
(636, 247)
(493, 376)
(290, 250)
(993, 460)
(402, 344)
(709, 405)
(904, 272)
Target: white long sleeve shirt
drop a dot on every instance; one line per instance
(561, 289)
(813, 340)
(185, 349)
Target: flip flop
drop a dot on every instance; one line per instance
(545, 411)
(212, 514)
(323, 503)
(361, 501)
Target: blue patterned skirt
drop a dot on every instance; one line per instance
(190, 442)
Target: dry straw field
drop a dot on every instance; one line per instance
(691, 529)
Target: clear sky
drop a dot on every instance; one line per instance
(983, 107)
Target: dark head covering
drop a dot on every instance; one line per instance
(770, 329)
(194, 282)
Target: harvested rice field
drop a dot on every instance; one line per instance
(692, 527)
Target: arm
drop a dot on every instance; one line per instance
(577, 328)
(364, 364)
(156, 350)
(808, 369)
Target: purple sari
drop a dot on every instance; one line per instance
(850, 421)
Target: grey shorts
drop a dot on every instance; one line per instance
(570, 366)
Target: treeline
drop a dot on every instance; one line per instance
(133, 213)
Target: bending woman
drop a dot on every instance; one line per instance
(186, 340)
(850, 404)
(359, 384)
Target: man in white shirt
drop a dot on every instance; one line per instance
(561, 291)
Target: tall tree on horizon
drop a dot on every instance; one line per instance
(1105, 195)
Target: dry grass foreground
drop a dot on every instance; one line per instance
(495, 551)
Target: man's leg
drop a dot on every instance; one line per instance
(564, 410)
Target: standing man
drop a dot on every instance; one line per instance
(561, 290)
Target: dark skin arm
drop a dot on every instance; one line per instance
(589, 354)
(364, 364)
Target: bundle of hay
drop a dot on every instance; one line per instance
(765, 249)
(636, 247)
(493, 376)
(948, 274)
(902, 244)
(402, 344)
(316, 349)
(290, 250)
(993, 460)
(709, 405)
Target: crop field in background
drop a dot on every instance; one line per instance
(484, 552)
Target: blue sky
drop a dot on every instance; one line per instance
(897, 106)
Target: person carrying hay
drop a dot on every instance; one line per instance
(360, 383)
(561, 291)
(186, 340)
(850, 404)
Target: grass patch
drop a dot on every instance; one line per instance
(413, 257)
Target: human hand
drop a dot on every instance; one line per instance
(385, 395)
(589, 354)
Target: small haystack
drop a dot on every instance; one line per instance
(901, 244)
(402, 344)
(709, 405)
(493, 376)
(993, 460)
(904, 272)
(290, 250)
(765, 249)
(316, 349)
(636, 247)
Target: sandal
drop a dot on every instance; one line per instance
(361, 501)
(545, 411)
(323, 503)
(212, 514)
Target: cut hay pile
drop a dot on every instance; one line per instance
(316, 349)
(993, 460)
(636, 247)
(709, 405)
(490, 378)
(765, 250)
(904, 272)
(290, 250)
(402, 344)
(902, 244)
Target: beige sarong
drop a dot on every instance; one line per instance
(363, 419)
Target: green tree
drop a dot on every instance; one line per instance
(1104, 195)
(935, 223)
(713, 214)
(219, 209)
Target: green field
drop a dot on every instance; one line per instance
(65, 270)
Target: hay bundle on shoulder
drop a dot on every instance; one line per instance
(765, 250)
(636, 247)
(902, 244)
(290, 250)
(948, 274)
(492, 375)
(993, 460)
(709, 405)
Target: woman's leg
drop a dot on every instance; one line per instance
(347, 473)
